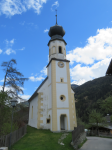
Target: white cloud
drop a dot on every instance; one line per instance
(35, 4)
(55, 5)
(44, 71)
(34, 79)
(25, 97)
(9, 51)
(46, 30)
(0, 51)
(12, 41)
(22, 49)
(98, 47)
(13, 7)
(2, 80)
(81, 74)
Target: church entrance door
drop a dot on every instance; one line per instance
(63, 122)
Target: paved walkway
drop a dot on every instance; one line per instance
(97, 143)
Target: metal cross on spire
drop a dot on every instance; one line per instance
(56, 16)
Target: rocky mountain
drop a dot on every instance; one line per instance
(90, 93)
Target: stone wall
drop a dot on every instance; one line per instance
(79, 140)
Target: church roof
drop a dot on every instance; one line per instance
(36, 92)
(109, 70)
(56, 32)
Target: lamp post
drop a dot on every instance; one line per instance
(13, 104)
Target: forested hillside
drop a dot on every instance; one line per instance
(90, 93)
(74, 86)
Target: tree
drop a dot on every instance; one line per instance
(106, 104)
(5, 114)
(111, 118)
(13, 79)
(96, 118)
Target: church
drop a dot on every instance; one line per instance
(52, 106)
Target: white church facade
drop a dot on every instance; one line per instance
(52, 106)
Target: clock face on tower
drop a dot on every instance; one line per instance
(61, 64)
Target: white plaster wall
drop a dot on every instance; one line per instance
(34, 103)
(62, 111)
(61, 72)
(49, 74)
(55, 51)
(45, 96)
(62, 89)
(50, 98)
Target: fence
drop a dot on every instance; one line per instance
(76, 133)
(15, 136)
(94, 133)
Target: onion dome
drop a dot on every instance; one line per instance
(56, 33)
(56, 30)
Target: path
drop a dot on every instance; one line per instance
(97, 143)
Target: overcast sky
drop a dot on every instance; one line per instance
(24, 26)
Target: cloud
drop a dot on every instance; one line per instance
(9, 43)
(46, 30)
(13, 7)
(98, 47)
(2, 80)
(44, 71)
(12, 41)
(25, 97)
(22, 23)
(55, 5)
(34, 79)
(36, 5)
(81, 74)
(22, 49)
(33, 25)
(9, 51)
(0, 51)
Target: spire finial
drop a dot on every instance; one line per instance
(56, 16)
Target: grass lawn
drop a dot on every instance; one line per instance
(42, 140)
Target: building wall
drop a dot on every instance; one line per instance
(33, 121)
(62, 89)
(54, 50)
(45, 106)
(61, 72)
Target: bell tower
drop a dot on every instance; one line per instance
(61, 97)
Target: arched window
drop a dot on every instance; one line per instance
(60, 49)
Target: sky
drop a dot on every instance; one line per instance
(24, 26)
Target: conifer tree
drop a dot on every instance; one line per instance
(13, 79)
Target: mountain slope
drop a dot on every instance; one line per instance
(74, 86)
(88, 94)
